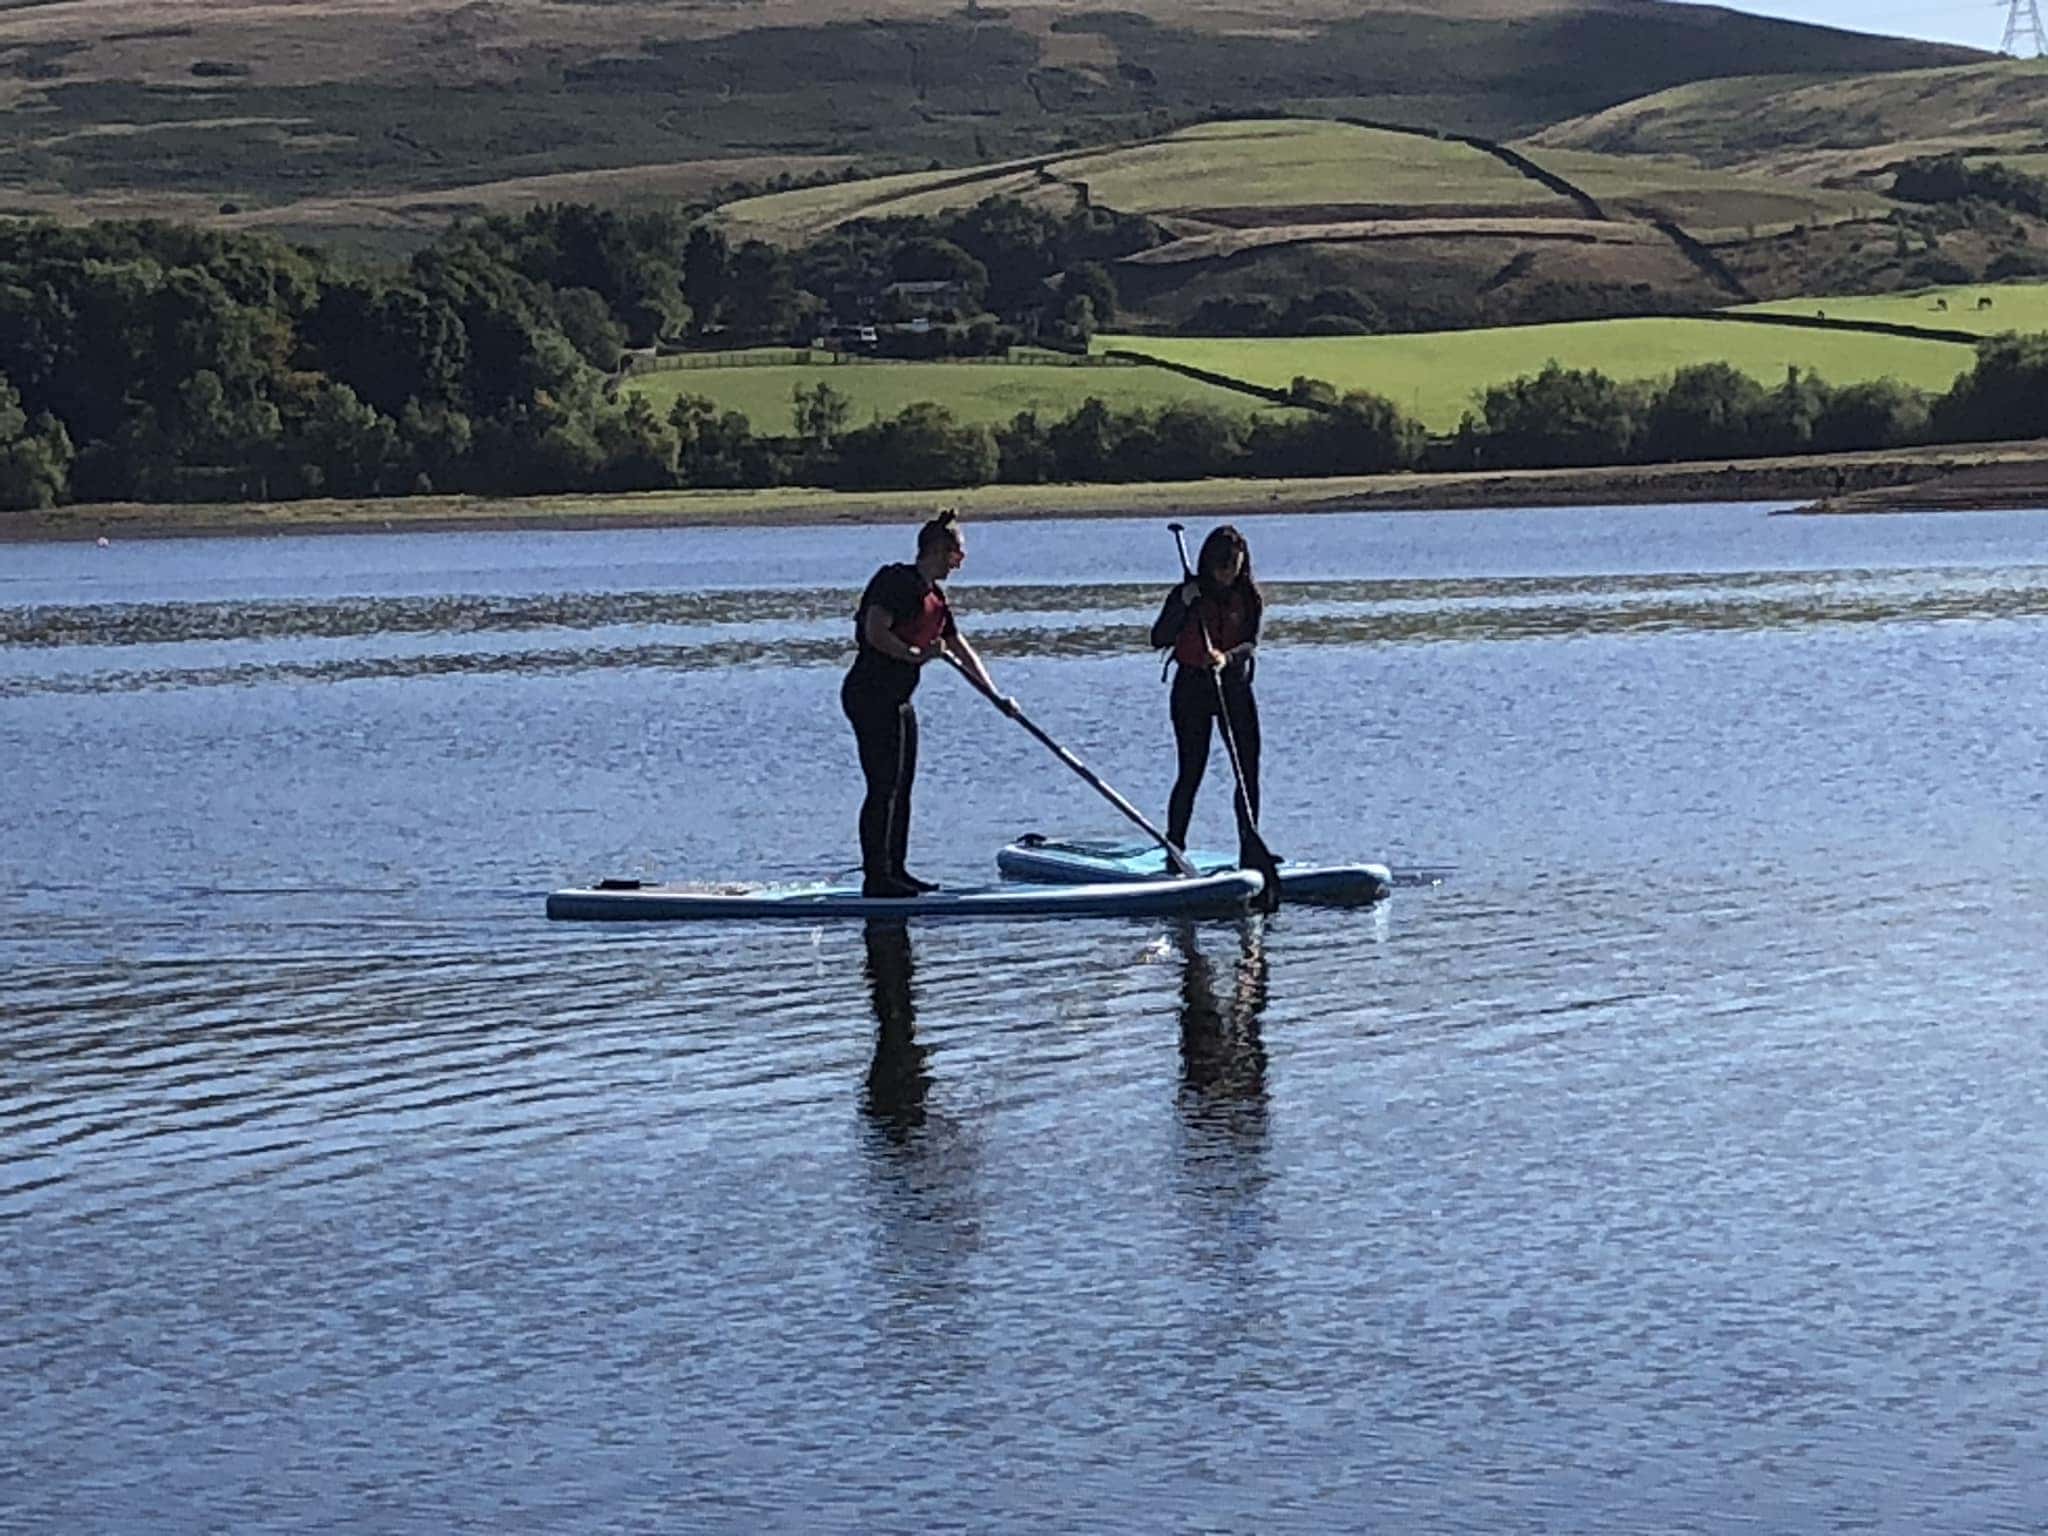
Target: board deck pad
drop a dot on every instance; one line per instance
(1078, 860)
(1221, 894)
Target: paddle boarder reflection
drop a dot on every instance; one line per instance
(1222, 1176)
(1222, 1054)
(897, 1078)
(923, 1167)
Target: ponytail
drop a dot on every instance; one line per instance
(943, 529)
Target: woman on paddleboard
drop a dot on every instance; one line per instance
(902, 622)
(1210, 622)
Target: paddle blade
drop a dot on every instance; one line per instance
(1252, 853)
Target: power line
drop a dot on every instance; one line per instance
(2023, 19)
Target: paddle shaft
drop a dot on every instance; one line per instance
(1181, 863)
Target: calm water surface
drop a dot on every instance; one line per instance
(1679, 1163)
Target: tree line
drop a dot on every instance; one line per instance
(155, 362)
(1564, 417)
(1557, 418)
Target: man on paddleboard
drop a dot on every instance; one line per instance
(903, 621)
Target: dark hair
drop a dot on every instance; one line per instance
(943, 529)
(1225, 540)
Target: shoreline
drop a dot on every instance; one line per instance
(1950, 478)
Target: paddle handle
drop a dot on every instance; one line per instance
(1181, 863)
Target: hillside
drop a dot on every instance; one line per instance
(365, 119)
(1256, 174)
(1826, 131)
(1417, 232)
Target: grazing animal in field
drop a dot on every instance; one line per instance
(1984, 303)
(1820, 314)
(1941, 304)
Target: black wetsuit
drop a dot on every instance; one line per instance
(876, 698)
(1232, 618)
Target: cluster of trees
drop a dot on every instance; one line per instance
(1326, 312)
(1573, 417)
(154, 362)
(35, 454)
(1992, 201)
(1042, 274)
(1442, 300)
(1952, 179)
(925, 445)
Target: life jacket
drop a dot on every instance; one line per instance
(924, 628)
(1228, 622)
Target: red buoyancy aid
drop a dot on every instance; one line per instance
(924, 628)
(1228, 624)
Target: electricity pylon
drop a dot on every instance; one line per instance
(2023, 19)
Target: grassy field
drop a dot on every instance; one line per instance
(1299, 171)
(2014, 307)
(1219, 244)
(1247, 167)
(803, 214)
(1705, 202)
(1827, 127)
(2032, 164)
(1435, 376)
(983, 392)
(1302, 164)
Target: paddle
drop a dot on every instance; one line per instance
(1180, 861)
(1254, 849)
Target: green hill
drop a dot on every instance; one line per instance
(1423, 232)
(1302, 172)
(308, 118)
(1211, 175)
(1831, 130)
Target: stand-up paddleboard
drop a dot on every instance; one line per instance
(1224, 893)
(1101, 861)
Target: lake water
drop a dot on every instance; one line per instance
(1678, 1163)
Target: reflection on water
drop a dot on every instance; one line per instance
(898, 1078)
(1223, 1058)
(922, 1166)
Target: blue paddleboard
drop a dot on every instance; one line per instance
(1103, 861)
(1224, 893)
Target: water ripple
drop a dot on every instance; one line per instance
(1678, 1153)
(1353, 614)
